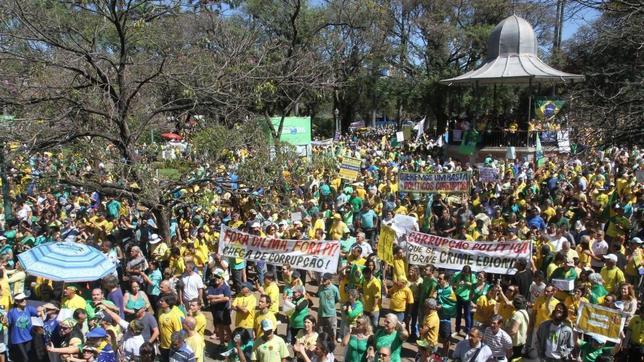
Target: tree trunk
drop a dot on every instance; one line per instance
(162, 214)
(6, 199)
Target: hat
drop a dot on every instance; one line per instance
(295, 275)
(253, 211)
(299, 288)
(570, 262)
(97, 332)
(154, 239)
(20, 296)
(267, 325)
(636, 240)
(50, 306)
(219, 273)
(255, 225)
(611, 257)
(36, 322)
(431, 303)
(72, 286)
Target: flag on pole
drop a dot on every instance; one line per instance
(420, 127)
(468, 144)
(541, 159)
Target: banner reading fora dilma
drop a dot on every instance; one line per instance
(435, 182)
(313, 255)
(489, 256)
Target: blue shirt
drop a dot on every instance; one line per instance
(537, 221)
(224, 290)
(20, 324)
(368, 219)
(183, 354)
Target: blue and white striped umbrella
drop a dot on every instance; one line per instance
(66, 261)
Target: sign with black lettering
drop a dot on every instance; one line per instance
(489, 256)
(314, 255)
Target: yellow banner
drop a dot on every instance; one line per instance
(595, 320)
(350, 168)
(386, 244)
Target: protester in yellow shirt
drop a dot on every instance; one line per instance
(612, 275)
(573, 302)
(263, 313)
(193, 339)
(169, 322)
(244, 306)
(400, 264)
(71, 300)
(544, 305)
(430, 326)
(486, 306)
(400, 297)
(272, 290)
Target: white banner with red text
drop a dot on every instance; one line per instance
(489, 256)
(313, 255)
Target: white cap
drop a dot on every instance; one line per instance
(20, 296)
(154, 239)
(255, 225)
(612, 257)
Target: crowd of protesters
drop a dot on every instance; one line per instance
(583, 215)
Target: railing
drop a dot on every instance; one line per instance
(499, 138)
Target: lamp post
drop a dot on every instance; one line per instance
(336, 117)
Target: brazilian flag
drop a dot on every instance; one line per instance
(547, 108)
(468, 144)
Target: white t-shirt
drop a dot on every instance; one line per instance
(131, 347)
(551, 341)
(191, 285)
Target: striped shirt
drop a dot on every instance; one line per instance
(499, 343)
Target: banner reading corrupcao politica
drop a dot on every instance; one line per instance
(314, 255)
(489, 256)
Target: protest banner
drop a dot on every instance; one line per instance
(598, 321)
(350, 168)
(400, 137)
(313, 255)
(386, 244)
(488, 174)
(435, 182)
(489, 256)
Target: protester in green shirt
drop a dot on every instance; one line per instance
(447, 309)
(392, 335)
(591, 351)
(464, 281)
(329, 296)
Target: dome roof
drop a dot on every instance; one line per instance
(512, 36)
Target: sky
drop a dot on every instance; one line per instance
(583, 17)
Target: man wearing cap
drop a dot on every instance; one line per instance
(19, 323)
(219, 295)
(269, 347)
(244, 306)
(612, 275)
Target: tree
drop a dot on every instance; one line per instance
(609, 106)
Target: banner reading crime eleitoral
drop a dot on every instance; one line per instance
(314, 255)
(489, 256)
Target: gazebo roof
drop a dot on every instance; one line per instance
(512, 59)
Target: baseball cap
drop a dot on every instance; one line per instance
(611, 257)
(598, 339)
(219, 273)
(255, 225)
(636, 240)
(570, 262)
(20, 296)
(50, 306)
(267, 325)
(97, 332)
(327, 276)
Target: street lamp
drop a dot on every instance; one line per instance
(336, 117)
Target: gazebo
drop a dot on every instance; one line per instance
(512, 59)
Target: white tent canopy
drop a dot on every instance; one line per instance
(512, 59)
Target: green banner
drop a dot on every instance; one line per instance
(547, 108)
(295, 131)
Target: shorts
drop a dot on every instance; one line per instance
(3, 348)
(221, 317)
(445, 329)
